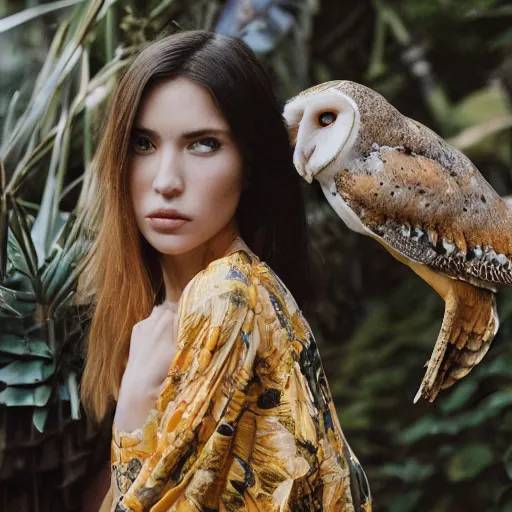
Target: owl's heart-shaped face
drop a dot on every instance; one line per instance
(323, 127)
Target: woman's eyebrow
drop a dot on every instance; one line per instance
(187, 135)
(205, 131)
(143, 129)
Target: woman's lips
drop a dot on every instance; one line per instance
(166, 225)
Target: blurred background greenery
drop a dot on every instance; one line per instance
(446, 63)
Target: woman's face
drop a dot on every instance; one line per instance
(185, 168)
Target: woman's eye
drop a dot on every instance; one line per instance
(142, 144)
(326, 118)
(205, 145)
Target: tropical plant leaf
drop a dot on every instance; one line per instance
(15, 302)
(63, 67)
(469, 462)
(21, 230)
(4, 222)
(22, 397)
(21, 17)
(9, 119)
(26, 372)
(24, 346)
(43, 229)
(39, 417)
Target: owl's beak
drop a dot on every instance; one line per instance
(301, 160)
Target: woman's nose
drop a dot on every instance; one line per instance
(169, 180)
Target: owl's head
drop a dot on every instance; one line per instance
(323, 123)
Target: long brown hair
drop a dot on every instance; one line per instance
(121, 275)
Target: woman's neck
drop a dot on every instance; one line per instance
(179, 269)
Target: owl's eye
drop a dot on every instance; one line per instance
(326, 118)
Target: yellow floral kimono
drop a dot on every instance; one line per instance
(245, 421)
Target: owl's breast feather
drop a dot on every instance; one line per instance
(345, 213)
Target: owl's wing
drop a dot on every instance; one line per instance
(453, 222)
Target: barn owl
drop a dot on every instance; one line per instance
(395, 180)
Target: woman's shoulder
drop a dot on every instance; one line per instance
(231, 273)
(242, 276)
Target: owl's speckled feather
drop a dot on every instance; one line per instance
(460, 234)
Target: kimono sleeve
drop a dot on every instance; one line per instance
(202, 398)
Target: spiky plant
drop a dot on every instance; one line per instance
(47, 444)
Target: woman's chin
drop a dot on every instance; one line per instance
(173, 245)
(174, 249)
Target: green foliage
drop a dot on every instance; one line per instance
(419, 12)
(47, 444)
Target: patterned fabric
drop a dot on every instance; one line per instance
(245, 421)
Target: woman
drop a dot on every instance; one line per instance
(222, 403)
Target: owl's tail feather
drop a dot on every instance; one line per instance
(469, 325)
